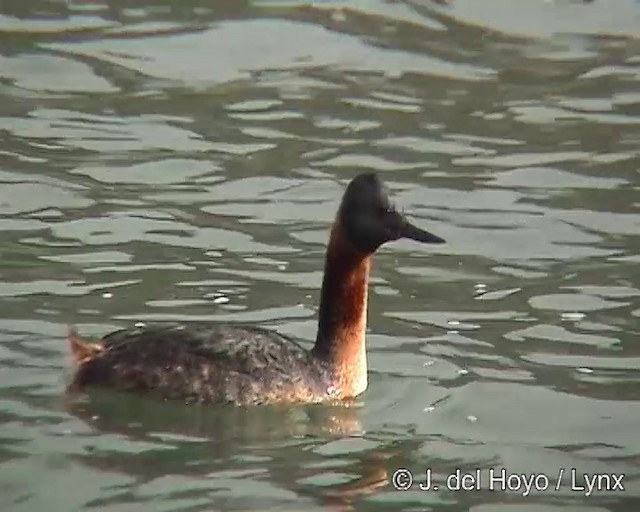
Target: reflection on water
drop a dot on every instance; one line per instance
(181, 160)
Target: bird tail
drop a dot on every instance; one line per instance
(82, 350)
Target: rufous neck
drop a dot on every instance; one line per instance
(342, 319)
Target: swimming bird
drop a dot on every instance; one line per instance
(226, 363)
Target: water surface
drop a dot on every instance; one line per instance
(183, 161)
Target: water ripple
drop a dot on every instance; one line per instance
(180, 162)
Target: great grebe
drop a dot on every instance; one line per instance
(249, 365)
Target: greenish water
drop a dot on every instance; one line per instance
(184, 160)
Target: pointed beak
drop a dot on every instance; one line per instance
(408, 230)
